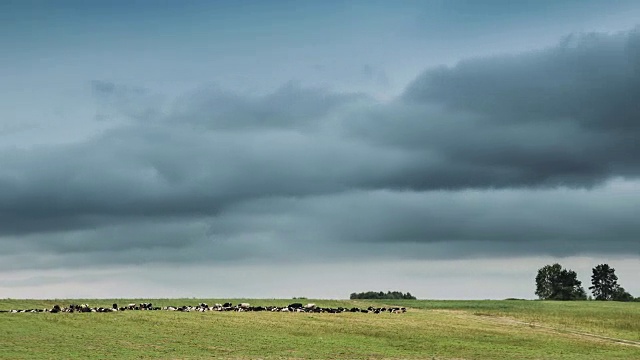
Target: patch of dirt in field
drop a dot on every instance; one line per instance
(449, 311)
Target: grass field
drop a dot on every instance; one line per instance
(429, 330)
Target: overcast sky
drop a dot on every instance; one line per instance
(291, 148)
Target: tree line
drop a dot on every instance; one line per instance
(382, 295)
(553, 282)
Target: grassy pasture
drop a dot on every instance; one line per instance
(606, 318)
(429, 330)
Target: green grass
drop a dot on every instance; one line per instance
(606, 318)
(429, 330)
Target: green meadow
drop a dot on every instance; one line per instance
(509, 329)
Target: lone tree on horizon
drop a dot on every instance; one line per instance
(605, 282)
(555, 283)
(605, 285)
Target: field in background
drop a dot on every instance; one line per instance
(429, 330)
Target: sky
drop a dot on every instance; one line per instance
(295, 148)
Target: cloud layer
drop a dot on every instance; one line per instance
(525, 154)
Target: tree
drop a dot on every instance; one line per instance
(555, 283)
(382, 295)
(605, 282)
(620, 294)
(545, 280)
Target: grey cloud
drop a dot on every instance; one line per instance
(163, 171)
(218, 176)
(375, 75)
(103, 88)
(379, 225)
(117, 102)
(566, 115)
(453, 151)
(529, 221)
(290, 107)
(145, 241)
(591, 79)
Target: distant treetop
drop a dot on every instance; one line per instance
(382, 295)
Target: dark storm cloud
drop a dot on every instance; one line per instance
(135, 242)
(303, 173)
(590, 79)
(534, 222)
(144, 171)
(374, 225)
(566, 115)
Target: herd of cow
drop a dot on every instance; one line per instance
(202, 307)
